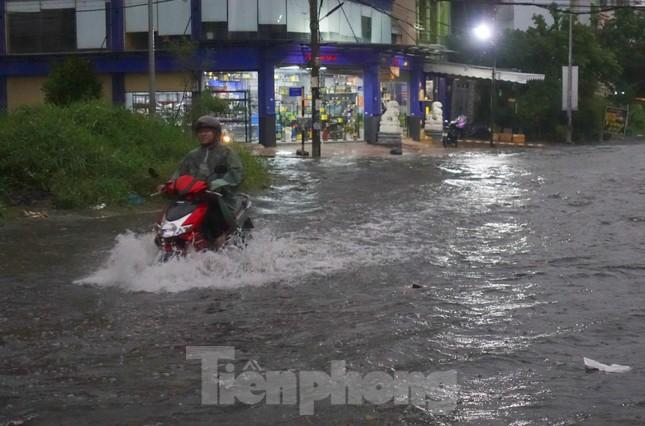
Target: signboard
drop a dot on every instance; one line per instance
(322, 58)
(295, 91)
(574, 87)
(616, 119)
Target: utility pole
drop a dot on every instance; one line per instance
(493, 96)
(152, 95)
(493, 89)
(569, 84)
(315, 78)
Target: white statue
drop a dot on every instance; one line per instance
(390, 119)
(434, 121)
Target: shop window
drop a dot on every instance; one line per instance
(171, 106)
(341, 110)
(239, 91)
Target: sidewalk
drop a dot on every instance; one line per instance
(362, 149)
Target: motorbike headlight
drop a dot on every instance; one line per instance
(184, 229)
(169, 230)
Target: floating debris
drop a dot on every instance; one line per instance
(98, 206)
(34, 214)
(590, 364)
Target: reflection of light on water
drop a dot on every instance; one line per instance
(486, 184)
(380, 236)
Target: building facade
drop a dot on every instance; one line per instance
(252, 53)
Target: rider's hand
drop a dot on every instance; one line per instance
(161, 188)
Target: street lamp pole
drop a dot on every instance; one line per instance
(485, 33)
(493, 96)
(493, 89)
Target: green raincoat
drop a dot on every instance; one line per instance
(221, 167)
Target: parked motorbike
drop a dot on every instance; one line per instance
(184, 226)
(453, 130)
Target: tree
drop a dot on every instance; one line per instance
(624, 34)
(543, 49)
(185, 53)
(71, 81)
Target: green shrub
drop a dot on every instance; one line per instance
(90, 153)
(71, 81)
(256, 174)
(636, 123)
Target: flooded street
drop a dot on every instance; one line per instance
(524, 262)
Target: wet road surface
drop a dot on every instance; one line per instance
(526, 262)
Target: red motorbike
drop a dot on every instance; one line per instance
(184, 224)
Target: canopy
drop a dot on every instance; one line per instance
(474, 71)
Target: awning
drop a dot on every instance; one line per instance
(474, 71)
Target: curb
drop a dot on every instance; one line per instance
(518, 145)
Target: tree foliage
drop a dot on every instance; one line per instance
(72, 80)
(624, 34)
(543, 48)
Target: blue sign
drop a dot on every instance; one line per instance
(295, 91)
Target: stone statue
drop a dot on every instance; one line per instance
(434, 121)
(390, 129)
(390, 120)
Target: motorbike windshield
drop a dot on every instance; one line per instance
(180, 209)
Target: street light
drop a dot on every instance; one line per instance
(484, 32)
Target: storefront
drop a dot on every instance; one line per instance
(459, 88)
(342, 104)
(261, 87)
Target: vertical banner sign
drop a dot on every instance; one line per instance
(616, 120)
(574, 87)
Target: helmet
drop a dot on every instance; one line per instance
(207, 122)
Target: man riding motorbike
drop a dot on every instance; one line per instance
(221, 168)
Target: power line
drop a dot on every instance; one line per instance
(347, 19)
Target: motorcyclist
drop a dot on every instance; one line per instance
(221, 167)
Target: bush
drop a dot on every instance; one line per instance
(636, 123)
(90, 153)
(71, 81)
(256, 171)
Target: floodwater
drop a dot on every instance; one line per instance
(524, 262)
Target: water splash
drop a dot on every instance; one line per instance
(132, 265)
